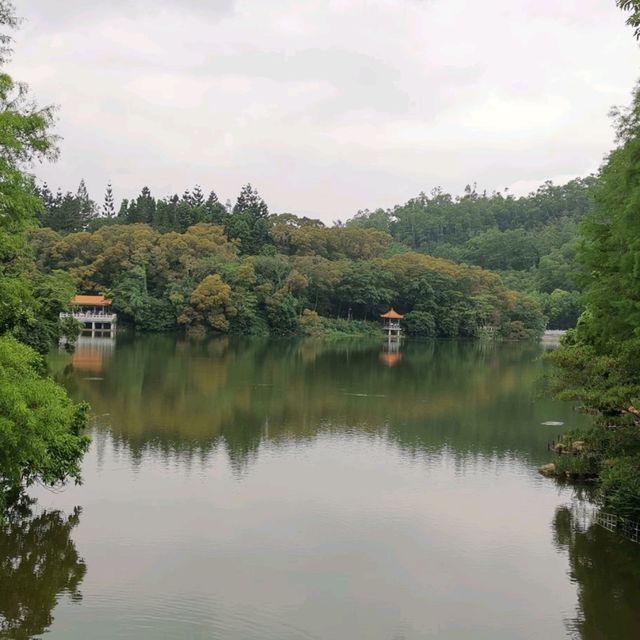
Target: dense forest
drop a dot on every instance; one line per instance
(530, 241)
(266, 272)
(202, 279)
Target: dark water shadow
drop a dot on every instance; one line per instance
(606, 570)
(39, 563)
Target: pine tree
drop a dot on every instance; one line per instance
(214, 210)
(69, 215)
(146, 206)
(163, 218)
(172, 217)
(88, 209)
(184, 216)
(82, 194)
(122, 212)
(250, 203)
(197, 197)
(249, 221)
(63, 211)
(108, 208)
(45, 195)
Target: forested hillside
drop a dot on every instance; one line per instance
(202, 279)
(347, 271)
(530, 240)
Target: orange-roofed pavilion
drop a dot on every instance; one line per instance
(392, 324)
(93, 301)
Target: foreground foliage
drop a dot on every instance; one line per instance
(599, 362)
(40, 428)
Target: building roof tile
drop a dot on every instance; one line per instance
(392, 313)
(91, 300)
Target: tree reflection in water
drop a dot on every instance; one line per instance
(38, 562)
(606, 570)
(169, 395)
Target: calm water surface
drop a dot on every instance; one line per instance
(297, 490)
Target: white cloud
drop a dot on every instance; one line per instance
(326, 106)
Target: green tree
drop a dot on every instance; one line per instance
(214, 209)
(108, 208)
(365, 288)
(197, 197)
(511, 249)
(598, 363)
(524, 321)
(282, 316)
(211, 303)
(142, 209)
(633, 7)
(87, 207)
(249, 221)
(420, 323)
(41, 438)
(562, 308)
(40, 428)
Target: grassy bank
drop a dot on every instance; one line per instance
(316, 326)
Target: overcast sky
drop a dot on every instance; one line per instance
(326, 106)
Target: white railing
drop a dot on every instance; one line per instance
(88, 316)
(618, 524)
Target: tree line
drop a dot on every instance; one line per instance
(530, 240)
(202, 279)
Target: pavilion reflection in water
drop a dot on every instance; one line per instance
(390, 354)
(91, 354)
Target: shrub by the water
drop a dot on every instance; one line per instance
(621, 486)
(41, 429)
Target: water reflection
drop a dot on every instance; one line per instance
(38, 563)
(92, 354)
(606, 570)
(175, 395)
(282, 489)
(390, 354)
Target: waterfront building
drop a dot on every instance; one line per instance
(94, 313)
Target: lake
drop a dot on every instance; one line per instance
(280, 489)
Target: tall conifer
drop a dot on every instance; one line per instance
(108, 208)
